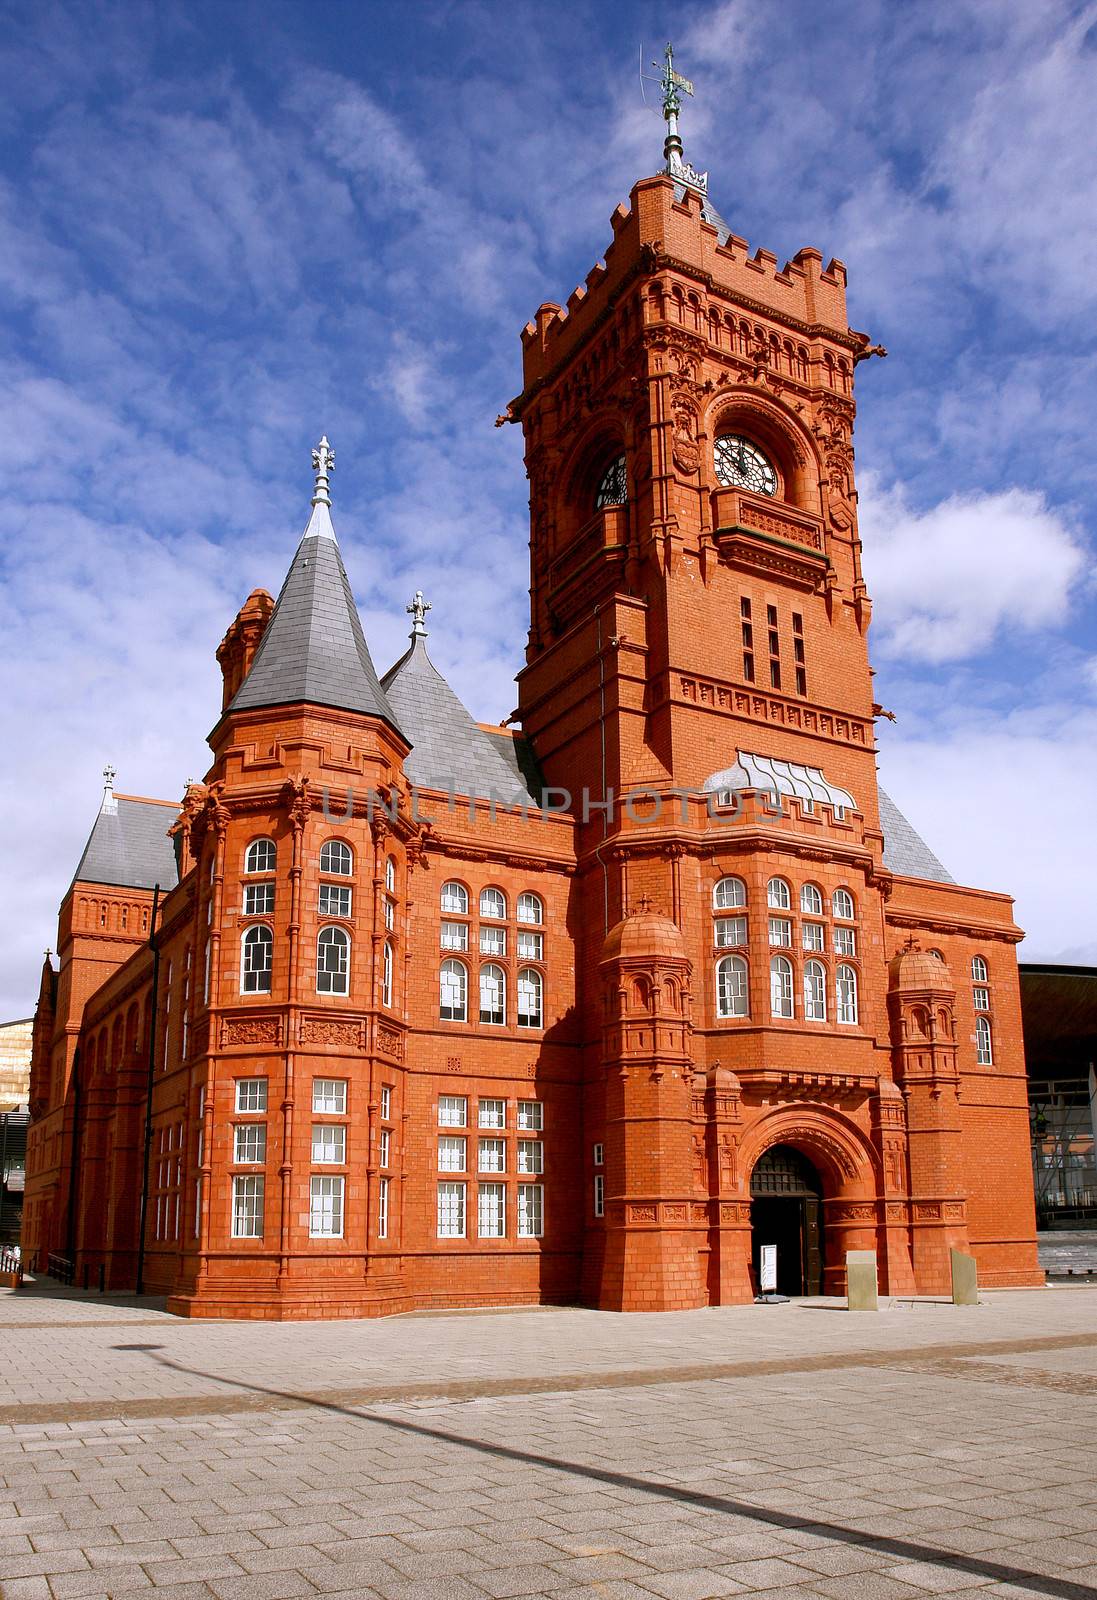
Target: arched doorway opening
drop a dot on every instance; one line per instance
(786, 1210)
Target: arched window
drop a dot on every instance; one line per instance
(531, 909)
(729, 892)
(493, 904)
(979, 969)
(336, 858)
(530, 1007)
(937, 956)
(256, 953)
(846, 988)
(493, 995)
(778, 895)
(453, 992)
(811, 900)
(732, 996)
(390, 875)
(613, 489)
(842, 905)
(815, 991)
(983, 1052)
(333, 962)
(780, 986)
(455, 899)
(260, 856)
(386, 975)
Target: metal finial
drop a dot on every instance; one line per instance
(417, 611)
(674, 86)
(323, 463)
(109, 802)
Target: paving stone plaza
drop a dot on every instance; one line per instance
(795, 1450)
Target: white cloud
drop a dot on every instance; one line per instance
(948, 580)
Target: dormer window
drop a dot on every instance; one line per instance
(741, 465)
(613, 489)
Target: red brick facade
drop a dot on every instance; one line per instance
(600, 1149)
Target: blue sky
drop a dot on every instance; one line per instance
(225, 230)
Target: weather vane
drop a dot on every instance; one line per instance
(674, 86)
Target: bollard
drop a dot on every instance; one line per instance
(102, 1277)
(861, 1293)
(965, 1279)
(87, 1269)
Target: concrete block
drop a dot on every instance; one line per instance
(861, 1280)
(965, 1279)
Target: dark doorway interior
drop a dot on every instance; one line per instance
(786, 1210)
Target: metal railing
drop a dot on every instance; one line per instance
(61, 1268)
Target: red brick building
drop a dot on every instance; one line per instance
(441, 1014)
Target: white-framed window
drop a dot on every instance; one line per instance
(530, 1003)
(531, 1116)
(455, 936)
(492, 1155)
(778, 895)
(250, 1143)
(839, 812)
(251, 1094)
(258, 899)
(984, 1053)
(455, 899)
(333, 961)
(386, 1102)
(599, 1154)
(493, 995)
(531, 1210)
(531, 946)
(813, 936)
(247, 1206)
(453, 1111)
(491, 1210)
(261, 855)
(452, 1152)
(206, 960)
(386, 974)
(531, 1155)
(842, 905)
(491, 1114)
(493, 904)
(326, 1206)
(493, 941)
(845, 982)
(389, 907)
(811, 900)
(979, 970)
(451, 1211)
(981, 998)
(453, 985)
(384, 1148)
(732, 992)
(329, 1097)
(256, 960)
(729, 893)
(390, 874)
(337, 858)
(383, 1209)
(531, 908)
(599, 1195)
(730, 932)
(845, 941)
(780, 986)
(780, 932)
(329, 1143)
(334, 900)
(815, 991)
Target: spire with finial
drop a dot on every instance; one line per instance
(110, 804)
(674, 86)
(417, 611)
(323, 463)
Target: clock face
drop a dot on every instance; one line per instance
(741, 465)
(613, 489)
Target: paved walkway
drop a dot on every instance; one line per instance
(793, 1450)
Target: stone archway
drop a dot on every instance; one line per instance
(786, 1194)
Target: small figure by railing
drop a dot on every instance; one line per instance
(11, 1266)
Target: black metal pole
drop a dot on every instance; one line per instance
(155, 948)
(4, 1167)
(74, 1161)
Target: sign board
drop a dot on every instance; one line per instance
(767, 1271)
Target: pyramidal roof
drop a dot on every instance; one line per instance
(313, 647)
(129, 844)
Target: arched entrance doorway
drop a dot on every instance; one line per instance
(786, 1211)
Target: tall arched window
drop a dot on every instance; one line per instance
(390, 875)
(530, 998)
(732, 994)
(453, 992)
(984, 1054)
(455, 899)
(256, 953)
(531, 909)
(843, 905)
(979, 969)
(493, 904)
(811, 900)
(846, 989)
(333, 962)
(778, 895)
(613, 488)
(493, 995)
(336, 858)
(815, 991)
(386, 975)
(260, 856)
(780, 986)
(729, 892)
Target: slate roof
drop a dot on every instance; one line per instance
(130, 847)
(448, 750)
(313, 647)
(709, 212)
(905, 851)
